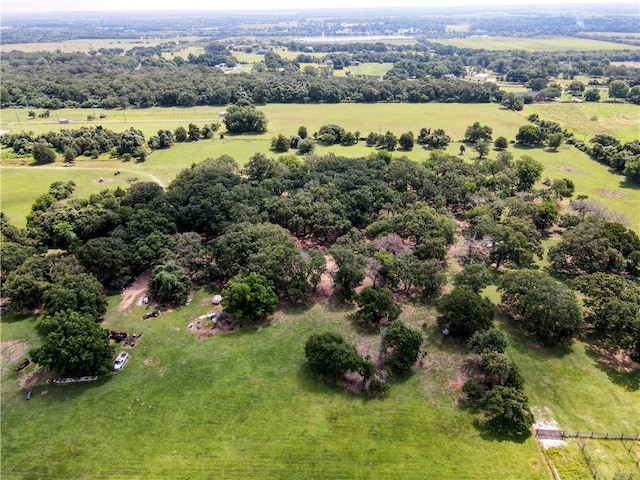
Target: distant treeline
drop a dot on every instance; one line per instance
(77, 80)
(144, 79)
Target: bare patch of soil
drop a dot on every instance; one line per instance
(137, 289)
(11, 352)
(203, 328)
(35, 378)
(352, 382)
(620, 360)
(326, 285)
(611, 194)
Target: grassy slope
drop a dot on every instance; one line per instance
(244, 405)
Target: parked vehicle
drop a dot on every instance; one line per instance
(120, 362)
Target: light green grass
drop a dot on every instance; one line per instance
(591, 178)
(87, 45)
(21, 185)
(553, 44)
(245, 406)
(588, 119)
(371, 69)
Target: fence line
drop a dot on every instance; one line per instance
(629, 446)
(542, 433)
(623, 476)
(592, 466)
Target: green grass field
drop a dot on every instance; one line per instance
(588, 119)
(533, 44)
(87, 45)
(371, 69)
(244, 406)
(591, 178)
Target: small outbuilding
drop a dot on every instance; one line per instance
(217, 299)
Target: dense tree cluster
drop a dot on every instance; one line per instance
(111, 81)
(88, 141)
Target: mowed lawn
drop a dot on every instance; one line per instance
(244, 405)
(21, 185)
(534, 44)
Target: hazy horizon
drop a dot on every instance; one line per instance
(42, 6)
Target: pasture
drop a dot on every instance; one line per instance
(591, 178)
(534, 44)
(244, 405)
(88, 45)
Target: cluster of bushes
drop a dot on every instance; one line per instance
(332, 357)
(87, 141)
(193, 133)
(623, 158)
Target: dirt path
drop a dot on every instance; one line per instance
(135, 291)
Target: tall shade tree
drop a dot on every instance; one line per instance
(507, 410)
(330, 355)
(528, 172)
(81, 293)
(463, 312)
(402, 347)
(595, 245)
(544, 307)
(251, 298)
(377, 305)
(350, 271)
(170, 283)
(74, 345)
(618, 89)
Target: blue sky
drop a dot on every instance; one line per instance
(114, 5)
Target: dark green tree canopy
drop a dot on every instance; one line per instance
(463, 312)
(251, 298)
(544, 307)
(245, 119)
(74, 345)
(170, 284)
(508, 410)
(491, 340)
(377, 305)
(330, 355)
(81, 293)
(402, 346)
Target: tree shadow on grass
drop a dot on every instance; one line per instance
(627, 378)
(13, 317)
(486, 433)
(527, 345)
(628, 184)
(318, 385)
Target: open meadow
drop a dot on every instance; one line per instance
(534, 44)
(591, 178)
(244, 405)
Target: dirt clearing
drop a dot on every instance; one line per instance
(135, 291)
